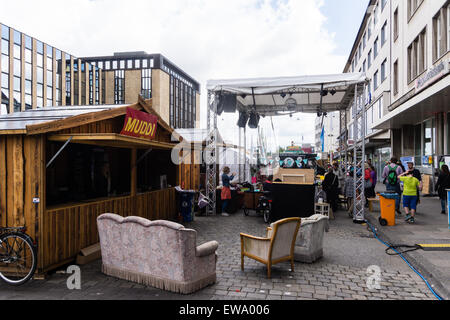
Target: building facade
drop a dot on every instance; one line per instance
(403, 46)
(36, 75)
(176, 95)
(330, 144)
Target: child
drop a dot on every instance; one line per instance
(411, 186)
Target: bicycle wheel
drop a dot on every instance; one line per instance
(17, 258)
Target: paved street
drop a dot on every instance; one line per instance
(341, 275)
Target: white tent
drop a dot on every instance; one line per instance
(308, 94)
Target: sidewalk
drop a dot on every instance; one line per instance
(431, 227)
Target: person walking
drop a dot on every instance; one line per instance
(374, 176)
(226, 191)
(331, 187)
(442, 185)
(341, 177)
(411, 186)
(390, 177)
(368, 184)
(349, 191)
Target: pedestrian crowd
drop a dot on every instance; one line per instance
(405, 184)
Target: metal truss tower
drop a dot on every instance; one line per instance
(358, 152)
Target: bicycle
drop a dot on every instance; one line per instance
(18, 258)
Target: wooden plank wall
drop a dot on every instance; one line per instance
(190, 173)
(22, 179)
(67, 230)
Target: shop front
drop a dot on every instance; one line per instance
(65, 166)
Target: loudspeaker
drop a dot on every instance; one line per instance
(243, 118)
(227, 103)
(254, 120)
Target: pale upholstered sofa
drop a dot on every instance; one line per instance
(160, 254)
(309, 243)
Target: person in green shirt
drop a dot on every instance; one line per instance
(411, 187)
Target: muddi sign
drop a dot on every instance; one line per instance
(139, 124)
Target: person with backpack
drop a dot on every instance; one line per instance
(442, 185)
(390, 176)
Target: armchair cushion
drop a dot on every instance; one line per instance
(207, 248)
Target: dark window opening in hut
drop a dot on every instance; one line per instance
(85, 173)
(155, 171)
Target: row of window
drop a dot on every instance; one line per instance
(182, 104)
(372, 25)
(123, 64)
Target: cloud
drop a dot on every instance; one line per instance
(209, 39)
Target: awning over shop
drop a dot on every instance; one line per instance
(281, 95)
(112, 140)
(422, 106)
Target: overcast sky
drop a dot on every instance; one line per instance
(209, 39)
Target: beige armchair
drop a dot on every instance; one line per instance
(277, 246)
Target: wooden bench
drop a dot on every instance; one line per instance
(371, 201)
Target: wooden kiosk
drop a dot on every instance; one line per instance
(62, 167)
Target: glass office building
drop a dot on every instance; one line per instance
(37, 75)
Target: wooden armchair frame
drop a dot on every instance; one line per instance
(270, 238)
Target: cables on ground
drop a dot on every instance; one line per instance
(394, 247)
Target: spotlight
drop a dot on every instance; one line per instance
(324, 93)
(283, 95)
(243, 118)
(254, 120)
(333, 92)
(227, 103)
(243, 96)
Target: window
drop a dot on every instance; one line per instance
(416, 56)
(369, 60)
(413, 5)
(68, 80)
(375, 48)
(119, 87)
(383, 4)
(383, 70)
(4, 107)
(364, 40)
(369, 29)
(448, 27)
(396, 77)
(146, 83)
(58, 76)
(17, 71)
(49, 76)
(364, 66)
(375, 16)
(383, 34)
(375, 81)
(396, 24)
(172, 110)
(129, 64)
(28, 73)
(440, 33)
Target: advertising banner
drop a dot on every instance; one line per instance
(139, 124)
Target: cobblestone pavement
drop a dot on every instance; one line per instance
(341, 275)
